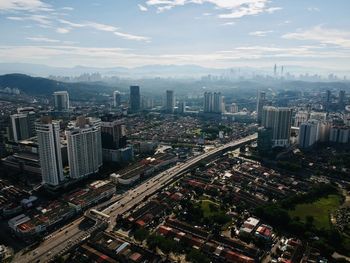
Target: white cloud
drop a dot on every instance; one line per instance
(313, 9)
(42, 20)
(230, 8)
(67, 8)
(62, 55)
(131, 37)
(62, 30)
(142, 8)
(228, 24)
(49, 40)
(101, 27)
(323, 35)
(43, 39)
(24, 5)
(260, 33)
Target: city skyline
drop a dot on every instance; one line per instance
(212, 33)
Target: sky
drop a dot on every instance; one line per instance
(208, 33)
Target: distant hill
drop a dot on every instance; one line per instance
(42, 86)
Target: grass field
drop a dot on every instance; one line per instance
(209, 208)
(319, 210)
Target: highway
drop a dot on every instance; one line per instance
(137, 195)
(71, 234)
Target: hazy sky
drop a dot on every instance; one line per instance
(211, 33)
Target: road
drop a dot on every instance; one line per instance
(137, 195)
(72, 234)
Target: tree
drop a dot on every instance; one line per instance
(309, 220)
(141, 234)
(196, 256)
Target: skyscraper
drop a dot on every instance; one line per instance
(208, 102)
(308, 134)
(328, 100)
(135, 98)
(84, 147)
(342, 98)
(113, 134)
(48, 133)
(182, 106)
(170, 101)
(300, 117)
(61, 99)
(218, 103)
(233, 108)
(20, 127)
(279, 120)
(213, 103)
(116, 99)
(260, 104)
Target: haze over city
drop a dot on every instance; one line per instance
(187, 131)
(313, 35)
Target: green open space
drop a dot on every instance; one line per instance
(320, 211)
(209, 208)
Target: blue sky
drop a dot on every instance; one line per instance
(210, 33)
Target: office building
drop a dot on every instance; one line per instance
(48, 132)
(84, 147)
(279, 120)
(116, 99)
(61, 99)
(170, 101)
(135, 98)
(260, 105)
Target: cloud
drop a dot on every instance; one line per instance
(101, 27)
(313, 9)
(62, 55)
(329, 36)
(131, 37)
(67, 8)
(62, 30)
(49, 40)
(229, 9)
(42, 20)
(142, 8)
(228, 24)
(24, 5)
(43, 39)
(260, 33)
